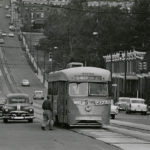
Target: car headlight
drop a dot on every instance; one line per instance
(30, 110)
(6, 109)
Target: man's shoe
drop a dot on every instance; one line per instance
(43, 128)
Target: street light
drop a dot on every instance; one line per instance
(95, 33)
(51, 56)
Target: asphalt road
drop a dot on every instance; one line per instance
(26, 136)
(134, 118)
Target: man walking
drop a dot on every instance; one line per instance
(47, 114)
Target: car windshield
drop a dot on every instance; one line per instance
(25, 81)
(18, 100)
(124, 100)
(85, 89)
(38, 92)
(138, 101)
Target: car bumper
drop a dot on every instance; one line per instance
(38, 97)
(18, 117)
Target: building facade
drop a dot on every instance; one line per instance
(129, 73)
(34, 12)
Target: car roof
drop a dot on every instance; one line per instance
(25, 80)
(38, 91)
(17, 95)
(138, 99)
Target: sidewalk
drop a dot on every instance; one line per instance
(132, 125)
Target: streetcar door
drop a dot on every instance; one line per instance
(62, 102)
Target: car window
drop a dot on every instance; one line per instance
(38, 92)
(137, 101)
(18, 100)
(123, 100)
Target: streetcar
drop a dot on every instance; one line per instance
(80, 96)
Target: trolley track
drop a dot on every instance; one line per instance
(124, 137)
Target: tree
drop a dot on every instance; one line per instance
(141, 18)
(71, 29)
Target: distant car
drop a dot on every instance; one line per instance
(11, 34)
(2, 102)
(12, 28)
(25, 82)
(8, 15)
(17, 107)
(148, 110)
(113, 110)
(38, 94)
(2, 41)
(4, 34)
(122, 102)
(137, 105)
(7, 7)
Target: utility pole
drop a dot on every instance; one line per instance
(44, 66)
(125, 74)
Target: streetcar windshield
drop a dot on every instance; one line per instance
(85, 89)
(98, 89)
(78, 89)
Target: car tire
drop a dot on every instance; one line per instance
(30, 120)
(5, 120)
(143, 113)
(112, 116)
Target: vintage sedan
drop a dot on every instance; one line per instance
(2, 41)
(18, 107)
(11, 34)
(113, 110)
(2, 102)
(25, 82)
(38, 94)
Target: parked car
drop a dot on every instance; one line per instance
(136, 105)
(114, 110)
(2, 41)
(122, 102)
(25, 82)
(4, 34)
(148, 110)
(12, 28)
(38, 94)
(11, 34)
(7, 7)
(17, 107)
(8, 15)
(2, 102)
